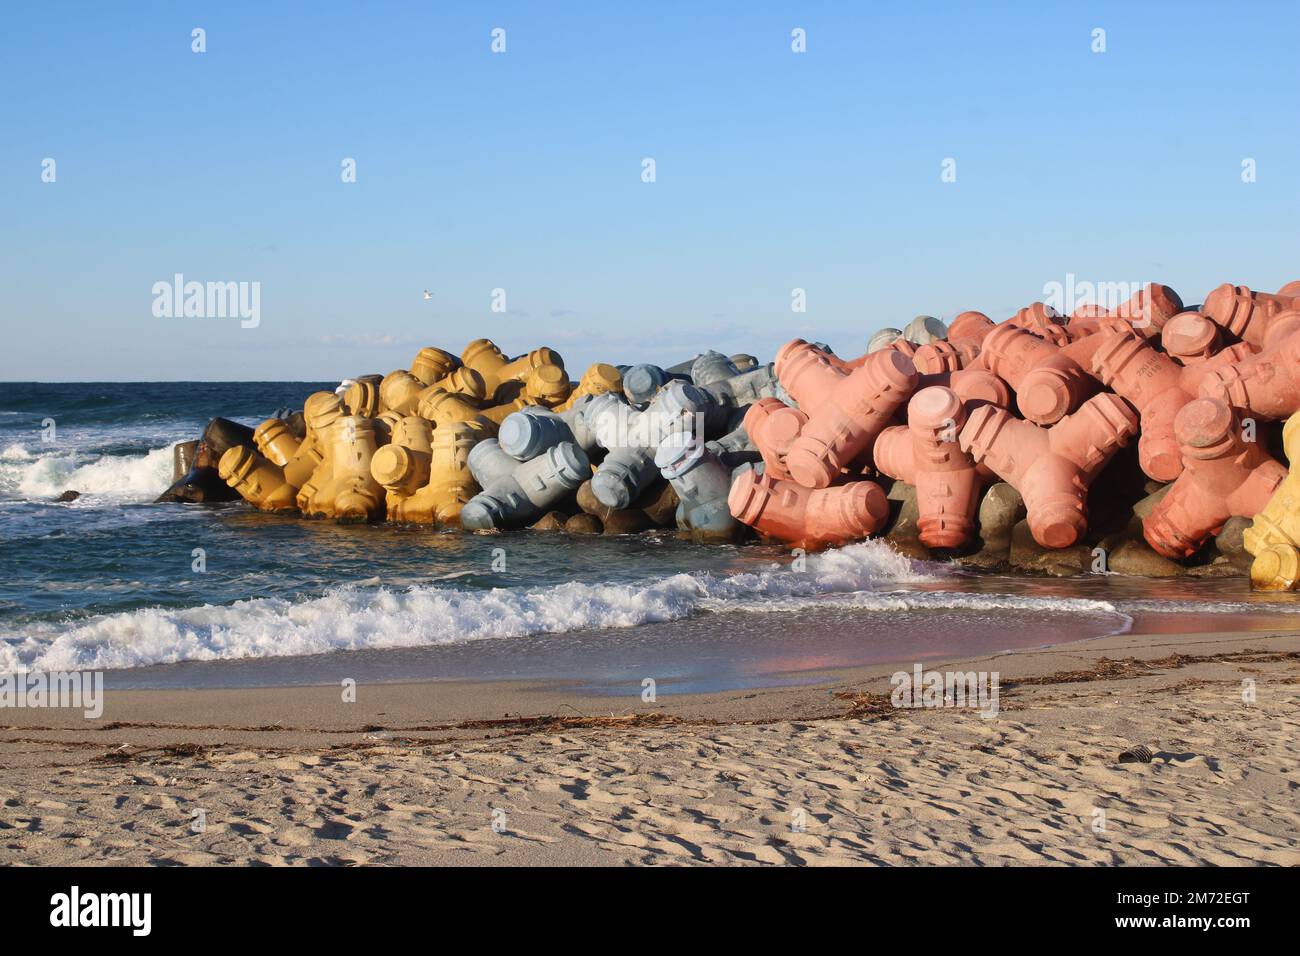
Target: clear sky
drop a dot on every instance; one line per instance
(522, 171)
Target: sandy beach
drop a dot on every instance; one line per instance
(822, 774)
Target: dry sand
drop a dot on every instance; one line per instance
(829, 774)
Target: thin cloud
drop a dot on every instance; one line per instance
(366, 340)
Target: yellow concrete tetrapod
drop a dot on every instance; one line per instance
(400, 392)
(464, 381)
(258, 481)
(1276, 568)
(431, 364)
(443, 407)
(351, 494)
(275, 441)
(362, 396)
(597, 380)
(484, 357)
(548, 385)
(402, 466)
(497, 413)
(451, 483)
(320, 411)
(298, 458)
(1274, 535)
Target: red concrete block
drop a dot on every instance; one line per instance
(1057, 335)
(1190, 337)
(807, 373)
(1088, 335)
(1051, 467)
(1223, 475)
(1048, 384)
(969, 328)
(1088, 313)
(848, 411)
(1080, 328)
(892, 453)
(925, 453)
(901, 346)
(773, 427)
(1150, 309)
(974, 386)
(805, 517)
(944, 356)
(1246, 314)
(1196, 374)
(1267, 384)
(1036, 315)
(1153, 383)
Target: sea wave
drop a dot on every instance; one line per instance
(348, 618)
(865, 577)
(111, 479)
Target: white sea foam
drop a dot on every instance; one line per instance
(355, 617)
(35, 475)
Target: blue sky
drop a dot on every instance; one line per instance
(522, 171)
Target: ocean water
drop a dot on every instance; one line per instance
(108, 581)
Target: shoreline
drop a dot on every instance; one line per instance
(610, 663)
(956, 614)
(455, 700)
(413, 773)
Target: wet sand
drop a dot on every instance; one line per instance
(820, 772)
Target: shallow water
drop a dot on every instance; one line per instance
(107, 581)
